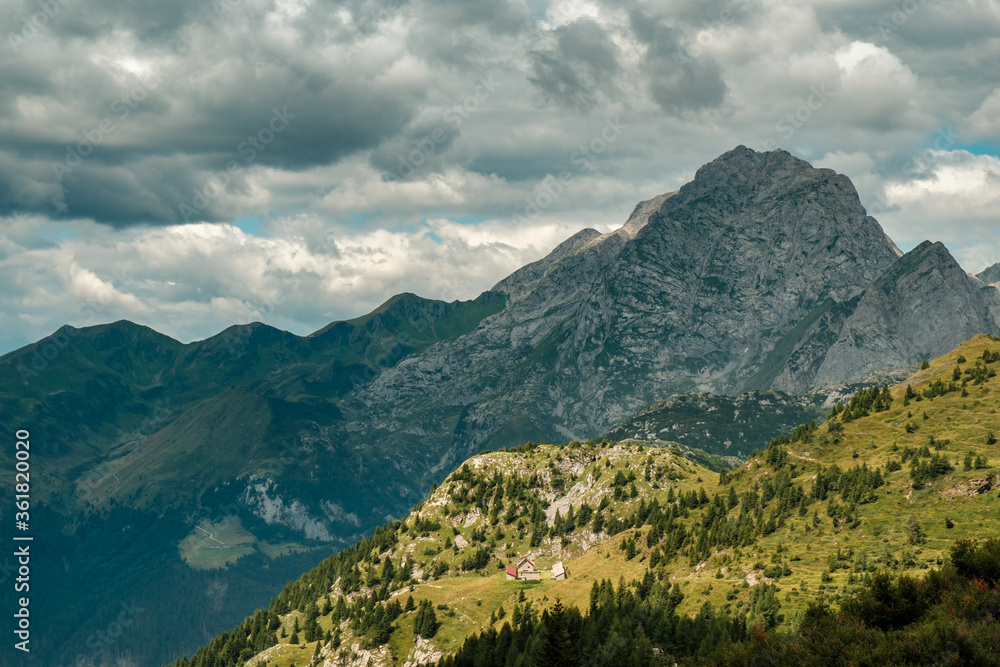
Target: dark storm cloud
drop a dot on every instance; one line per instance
(681, 77)
(461, 34)
(501, 17)
(418, 150)
(215, 76)
(582, 64)
(929, 25)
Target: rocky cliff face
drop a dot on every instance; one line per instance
(990, 275)
(762, 272)
(925, 305)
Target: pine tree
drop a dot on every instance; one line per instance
(556, 648)
(426, 624)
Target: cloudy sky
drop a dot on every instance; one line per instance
(193, 164)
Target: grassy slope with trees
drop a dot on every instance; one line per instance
(789, 544)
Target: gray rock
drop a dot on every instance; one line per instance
(990, 275)
(924, 306)
(743, 279)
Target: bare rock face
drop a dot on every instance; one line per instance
(761, 273)
(720, 278)
(990, 275)
(922, 307)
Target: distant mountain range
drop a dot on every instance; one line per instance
(763, 274)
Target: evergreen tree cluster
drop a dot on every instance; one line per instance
(856, 485)
(923, 471)
(863, 404)
(945, 617)
(425, 624)
(234, 648)
(631, 624)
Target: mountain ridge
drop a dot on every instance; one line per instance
(757, 275)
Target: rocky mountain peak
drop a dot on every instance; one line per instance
(712, 288)
(744, 179)
(990, 275)
(524, 280)
(924, 304)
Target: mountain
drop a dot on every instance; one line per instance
(762, 274)
(144, 445)
(892, 325)
(990, 275)
(892, 483)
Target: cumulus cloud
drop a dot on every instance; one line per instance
(382, 145)
(191, 281)
(581, 64)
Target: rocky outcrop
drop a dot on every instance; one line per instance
(742, 279)
(990, 275)
(922, 307)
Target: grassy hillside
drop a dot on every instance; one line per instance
(553, 503)
(888, 483)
